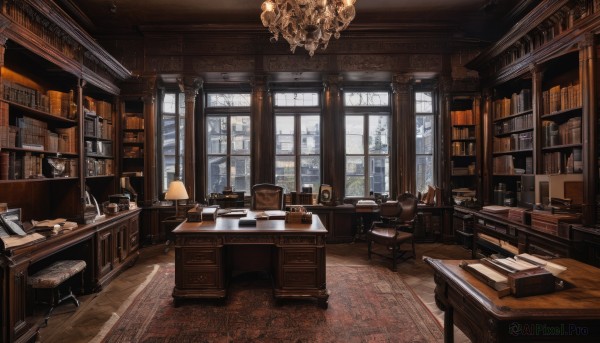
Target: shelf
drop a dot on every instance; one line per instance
(97, 139)
(133, 143)
(464, 156)
(41, 115)
(100, 176)
(512, 116)
(62, 154)
(505, 134)
(465, 125)
(563, 113)
(463, 140)
(511, 175)
(562, 146)
(512, 152)
(99, 156)
(42, 179)
(133, 130)
(463, 175)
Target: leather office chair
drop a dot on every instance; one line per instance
(266, 196)
(395, 227)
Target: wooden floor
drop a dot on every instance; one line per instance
(98, 311)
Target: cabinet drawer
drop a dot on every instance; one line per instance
(307, 256)
(199, 256)
(199, 277)
(299, 278)
(134, 241)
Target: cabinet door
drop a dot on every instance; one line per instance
(105, 251)
(17, 295)
(121, 232)
(133, 234)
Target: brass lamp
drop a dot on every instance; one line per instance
(176, 192)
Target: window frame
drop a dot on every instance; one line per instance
(297, 112)
(228, 112)
(434, 114)
(366, 111)
(179, 118)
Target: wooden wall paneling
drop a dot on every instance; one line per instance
(191, 87)
(486, 167)
(588, 83)
(405, 156)
(262, 124)
(333, 136)
(150, 175)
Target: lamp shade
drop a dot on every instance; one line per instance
(176, 191)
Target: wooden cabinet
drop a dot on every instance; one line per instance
(133, 145)
(116, 246)
(338, 220)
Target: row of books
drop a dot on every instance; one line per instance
(8, 136)
(133, 137)
(463, 149)
(133, 152)
(503, 165)
(463, 133)
(560, 98)
(62, 104)
(515, 142)
(99, 167)
(559, 162)
(15, 166)
(461, 171)
(514, 124)
(566, 133)
(4, 113)
(517, 103)
(465, 117)
(96, 126)
(133, 122)
(25, 96)
(98, 107)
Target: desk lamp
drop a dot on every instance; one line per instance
(176, 192)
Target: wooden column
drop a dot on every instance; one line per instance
(263, 151)
(150, 174)
(332, 133)
(403, 120)
(81, 148)
(536, 104)
(443, 138)
(587, 75)
(486, 151)
(190, 88)
(200, 143)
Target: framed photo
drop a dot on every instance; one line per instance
(325, 194)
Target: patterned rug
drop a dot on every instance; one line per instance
(367, 304)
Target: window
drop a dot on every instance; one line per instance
(173, 116)
(367, 143)
(228, 141)
(424, 142)
(297, 141)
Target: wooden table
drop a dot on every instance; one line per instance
(207, 253)
(569, 315)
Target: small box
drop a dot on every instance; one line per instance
(531, 282)
(194, 214)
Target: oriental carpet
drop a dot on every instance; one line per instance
(367, 304)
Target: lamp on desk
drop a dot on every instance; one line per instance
(176, 192)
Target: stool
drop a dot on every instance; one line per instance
(55, 275)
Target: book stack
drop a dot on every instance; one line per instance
(465, 117)
(522, 122)
(4, 158)
(463, 133)
(504, 165)
(517, 103)
(32, 134)
(66, 139)
(32, 166)
(560, 162)
(134, 122)
(25, 96)
(559, 98)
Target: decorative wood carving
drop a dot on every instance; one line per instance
(164, 64)
(160, 45)
(201, 64)
(295, 63)
(426, 62)
(367, 62)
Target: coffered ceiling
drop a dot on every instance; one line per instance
(471, 19)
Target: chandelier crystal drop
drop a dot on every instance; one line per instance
(307, 23)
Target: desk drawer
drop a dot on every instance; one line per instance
(299, 256)
(199, 277)
(294, 277)
(199, 256)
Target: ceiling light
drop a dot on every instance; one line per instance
(307, 23)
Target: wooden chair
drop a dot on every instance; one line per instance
(395, 227)
(266, 196)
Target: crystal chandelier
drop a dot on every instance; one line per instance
(307, 23)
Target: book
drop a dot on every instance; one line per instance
(247, 222)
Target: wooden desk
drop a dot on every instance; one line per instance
(570, 315)
(206, 253)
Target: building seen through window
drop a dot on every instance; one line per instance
(424, 143)
(172, 139)
(297, 140)
(367, 140)
(228, 143)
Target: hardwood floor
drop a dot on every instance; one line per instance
(98, 311)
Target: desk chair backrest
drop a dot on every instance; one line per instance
(267, 196)
(408, 202)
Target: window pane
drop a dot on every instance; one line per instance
(217, 174)
(424, 175)
(284, 136)
(354, 135)
(228, 100)
(355, 176)
(169, 103)
(378, 134)
(285, 173)
(379, 174)
(423, 102)
(310, 138)
(424, 134)
(240, 135)
(168, 150)
(181, 134)
(240, 173)
(309, 172)
(216, 137)
(296, 99)
(366, 99)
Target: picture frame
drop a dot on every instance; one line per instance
(325, 194)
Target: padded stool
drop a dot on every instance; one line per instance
(55, 275)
